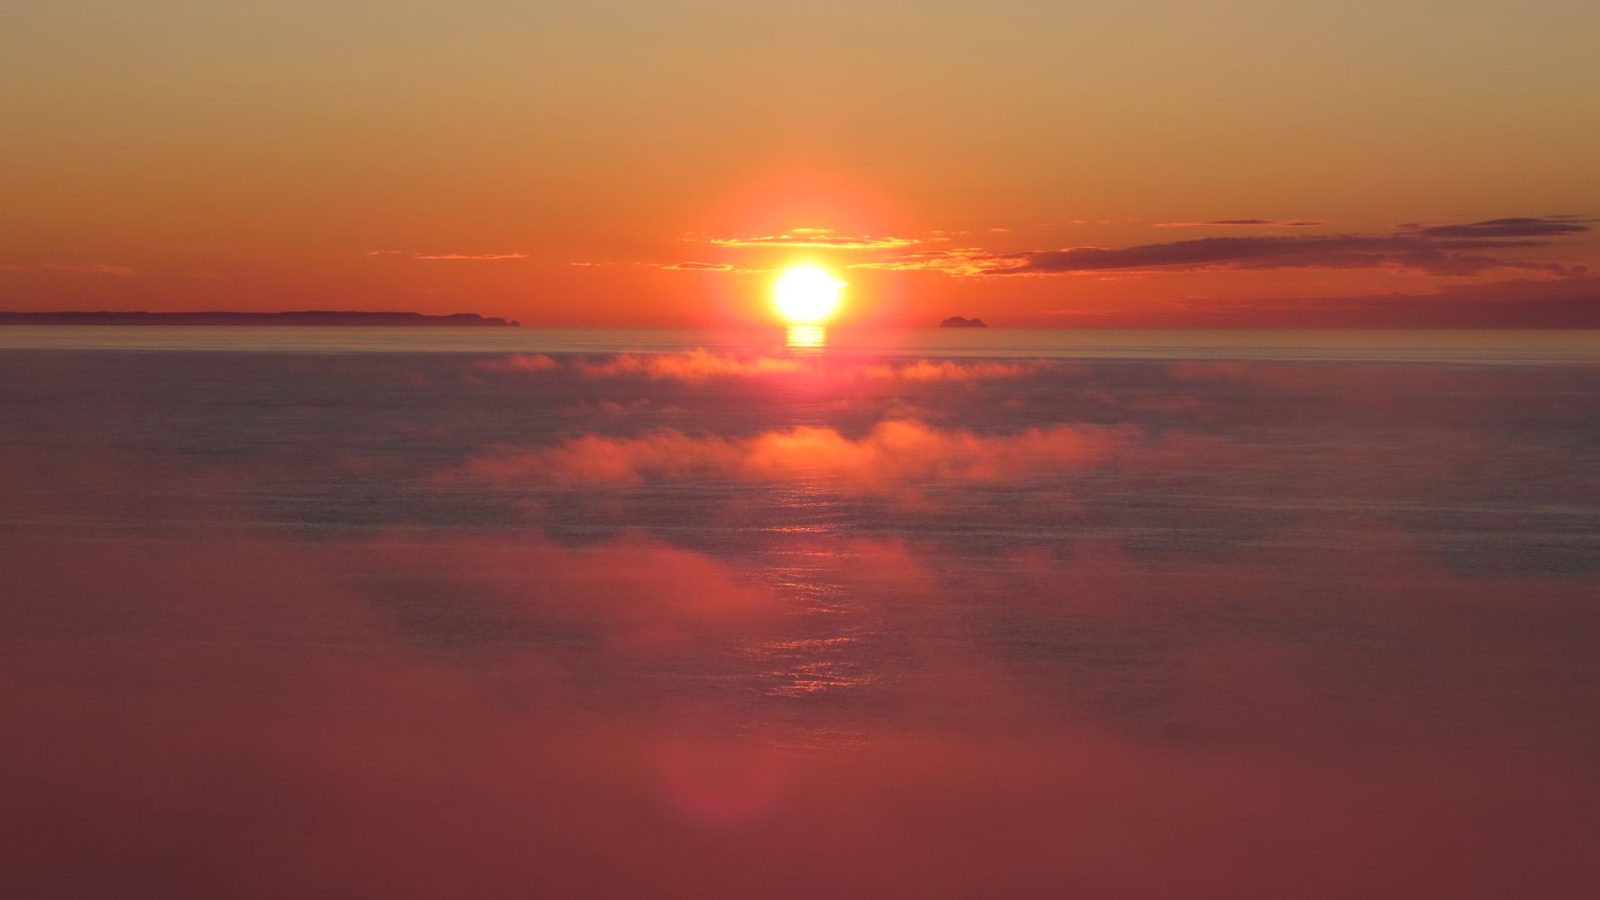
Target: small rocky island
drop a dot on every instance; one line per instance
(959, 322)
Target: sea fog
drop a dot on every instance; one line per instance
(774, 621)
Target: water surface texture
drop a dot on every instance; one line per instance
(1458, 346)
(403, 613)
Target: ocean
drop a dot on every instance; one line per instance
(1573, 346)
(938, 613)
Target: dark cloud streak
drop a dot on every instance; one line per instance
(1265, 223)
(1446, 250)
(1508, 228)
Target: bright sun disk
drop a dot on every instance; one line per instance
(806, 295)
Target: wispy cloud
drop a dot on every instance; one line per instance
(1448, 250)
(692, 266)
(956, 261)
(814, 238)
(1260, 223)
(471, 257)
(1549, 226)
(97, 268)
(451, 257)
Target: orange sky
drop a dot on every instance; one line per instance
(651, 164)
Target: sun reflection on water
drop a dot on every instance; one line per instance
(807, 337)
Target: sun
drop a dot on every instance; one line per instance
(806, 294)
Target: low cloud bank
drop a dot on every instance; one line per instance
(893, 454)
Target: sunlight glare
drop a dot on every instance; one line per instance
(806, 294)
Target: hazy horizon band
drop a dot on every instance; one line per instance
(1485, 347)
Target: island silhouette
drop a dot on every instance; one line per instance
(296, 317)
(960, 322)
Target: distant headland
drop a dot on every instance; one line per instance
(302, 317)
(959, 322)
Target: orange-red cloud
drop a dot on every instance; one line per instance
(817, 238)
(471, 257)
(452, 257)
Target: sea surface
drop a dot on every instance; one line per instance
(355, 612)
(1477, 347)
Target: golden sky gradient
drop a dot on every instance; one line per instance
(649, 163)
